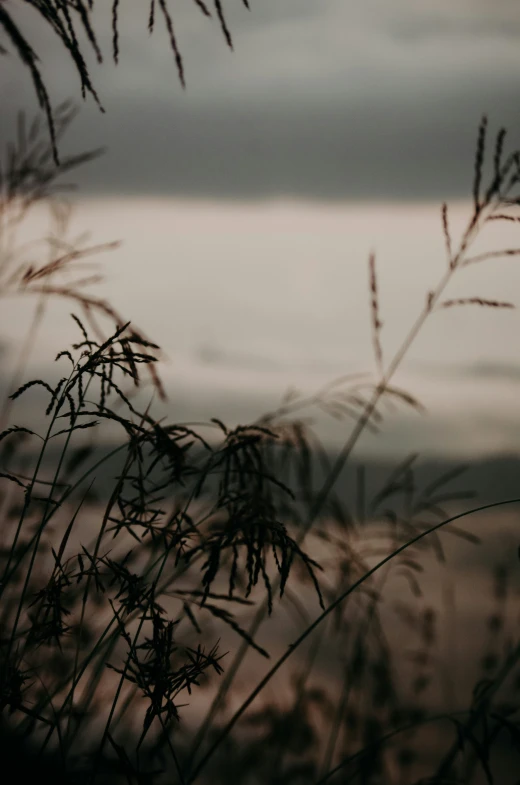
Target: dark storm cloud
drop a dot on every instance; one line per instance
(323, 100)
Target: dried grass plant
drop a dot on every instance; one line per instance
(70, 21)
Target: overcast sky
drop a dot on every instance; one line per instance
(321, 99)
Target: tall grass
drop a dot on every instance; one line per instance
(136, 576)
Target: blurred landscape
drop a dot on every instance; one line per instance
(247, 301)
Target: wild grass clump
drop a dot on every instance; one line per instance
(72, 22)
(136, 578)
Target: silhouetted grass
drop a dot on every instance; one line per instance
(117, 611)
(69, 22)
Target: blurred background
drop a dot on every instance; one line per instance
(247, 205)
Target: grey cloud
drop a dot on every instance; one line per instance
(494, 370)
(365, 150)
(475, 20)
(459, 29)
(329, 100)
